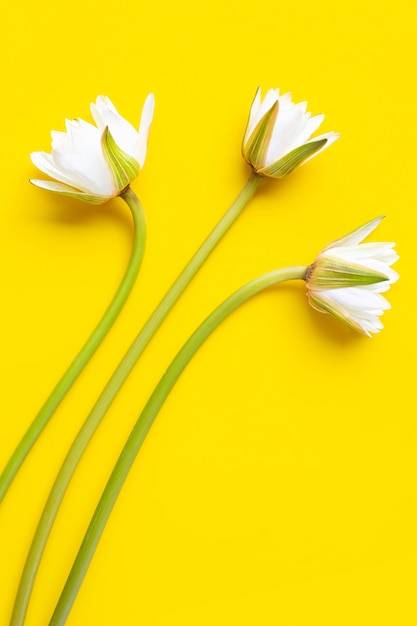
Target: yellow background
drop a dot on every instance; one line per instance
(277, 486)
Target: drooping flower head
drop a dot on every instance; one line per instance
(348, 277)
(278, 135)
(96, 163)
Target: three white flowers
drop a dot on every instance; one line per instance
(96, 163)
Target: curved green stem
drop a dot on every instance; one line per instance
(144, 423)
(58, 393)
(116, 381)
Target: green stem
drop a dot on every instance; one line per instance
(58, 393)
(116, 381)
(144, 423)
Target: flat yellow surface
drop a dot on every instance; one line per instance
(278, 484)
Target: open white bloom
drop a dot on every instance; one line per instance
(96, 163)
(348, 277)
(277, 137)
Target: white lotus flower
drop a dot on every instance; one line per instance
(277, 137)
(348, 277)
(96, 163)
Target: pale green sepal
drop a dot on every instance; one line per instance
(323, 304)
(124, 168)
(331, 273)
(290, 161)
(70, 192)
(256, 147)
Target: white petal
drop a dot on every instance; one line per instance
(61, 140)
(288, 126)
(106, 103)
(303, 107)
(356, 299)
(310, 127)
(122, 131)
(44, 162)
(147, 114)
(52, 185)
(144, 128)
(356, 236)
(377, 251)
(371, 326)
(102, 104)
(83, 160)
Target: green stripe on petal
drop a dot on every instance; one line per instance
(256, 147)
(331, 273)
(124, 168)
(290, 161)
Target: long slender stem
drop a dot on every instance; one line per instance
(116, 381)
(85, 354)
(144, 423)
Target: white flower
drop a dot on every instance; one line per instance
(277, 137)
(348, 276)
(96, 163)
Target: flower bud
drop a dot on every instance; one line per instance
(277, 137)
